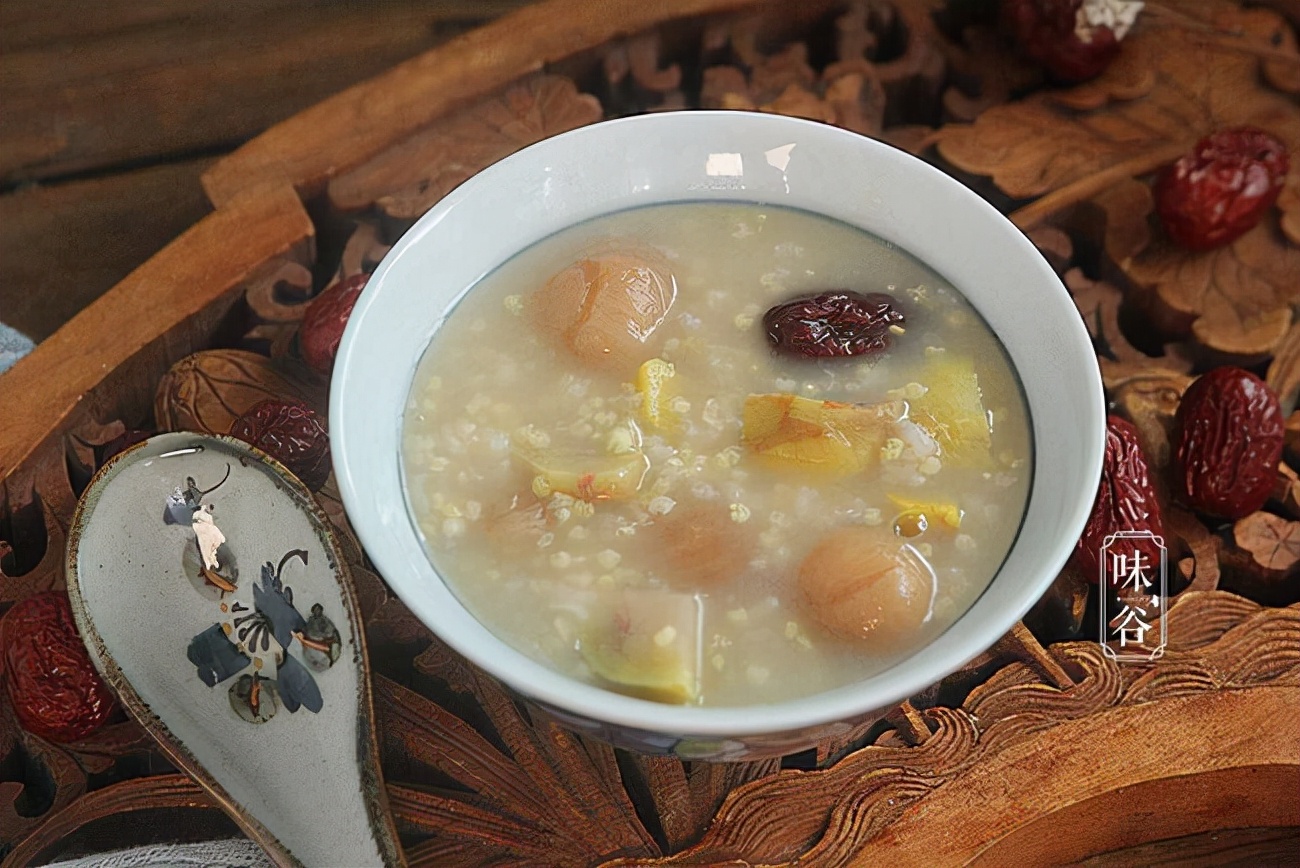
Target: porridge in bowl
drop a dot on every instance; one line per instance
(716, 454)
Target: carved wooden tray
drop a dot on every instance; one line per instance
(1043, 751)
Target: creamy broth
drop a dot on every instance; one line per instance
(691, 560)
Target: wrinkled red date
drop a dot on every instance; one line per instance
(1228, 436)
(291, 433)
(1126, 501)
(52, 684)
(1049, 33)
(323, 323)
(837, 323)
(1220, 190)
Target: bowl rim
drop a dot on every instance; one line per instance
(880, 691)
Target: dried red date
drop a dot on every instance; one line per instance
(1228, 435)
(52, 684)
(291, 433)
(1126, 501)
(1220, 190)
(1074, 40)
(323, 323)
(837, 323)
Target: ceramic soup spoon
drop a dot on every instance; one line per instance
(214, 600)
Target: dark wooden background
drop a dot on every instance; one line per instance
(111, 109)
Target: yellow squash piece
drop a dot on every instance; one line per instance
(933, 511)
(952, 410)
(589, 477)
(650, 647)
(840, 439)
(654, 382)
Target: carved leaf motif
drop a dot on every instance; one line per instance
(1081, 143)
(363, 252)
(67, 778)
(1234, 300)
(1055, 245)
(686, 799)
(97, 753)
(1286, 490)
(1203, 571)
(1273, 542)
(1060, 611)
(640, 56)
(856, 99)
(985, 72)
(1039, 144)
(1271, 546)
(1099, 304)
(547, 797)
(1284, 371)
(1127, 206)
(1289, 204)
(47, 574)
(281, 294)
(912, 81)
(850, 92)
(774, 74)
(160, 791)
(395, 622)
(757, 72)
(405, 181)
(776, 819)
(84, 448)
(1150, 402)
(439, 661)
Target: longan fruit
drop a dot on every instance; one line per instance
(867, 586)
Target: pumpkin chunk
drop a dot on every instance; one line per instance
(837, 438)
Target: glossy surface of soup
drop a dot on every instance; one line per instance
(620, 473)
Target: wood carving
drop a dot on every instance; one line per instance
(138, 794)
(847, 92)
(363, 252)
(1286, 490)
(1100, 306)
(1266, 558)
(1149, 400)
(636, 78)
(1061, 611)
(1201, 568)
(477, 776)
(1235, 301)
(1055, 244)
(407, 180)
(874, 801)
(985, 71)
(1169, 87)
(1284, 371)
(276, 301)
(176, 302)
(386, 110)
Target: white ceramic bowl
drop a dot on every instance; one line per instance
(716, 156)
